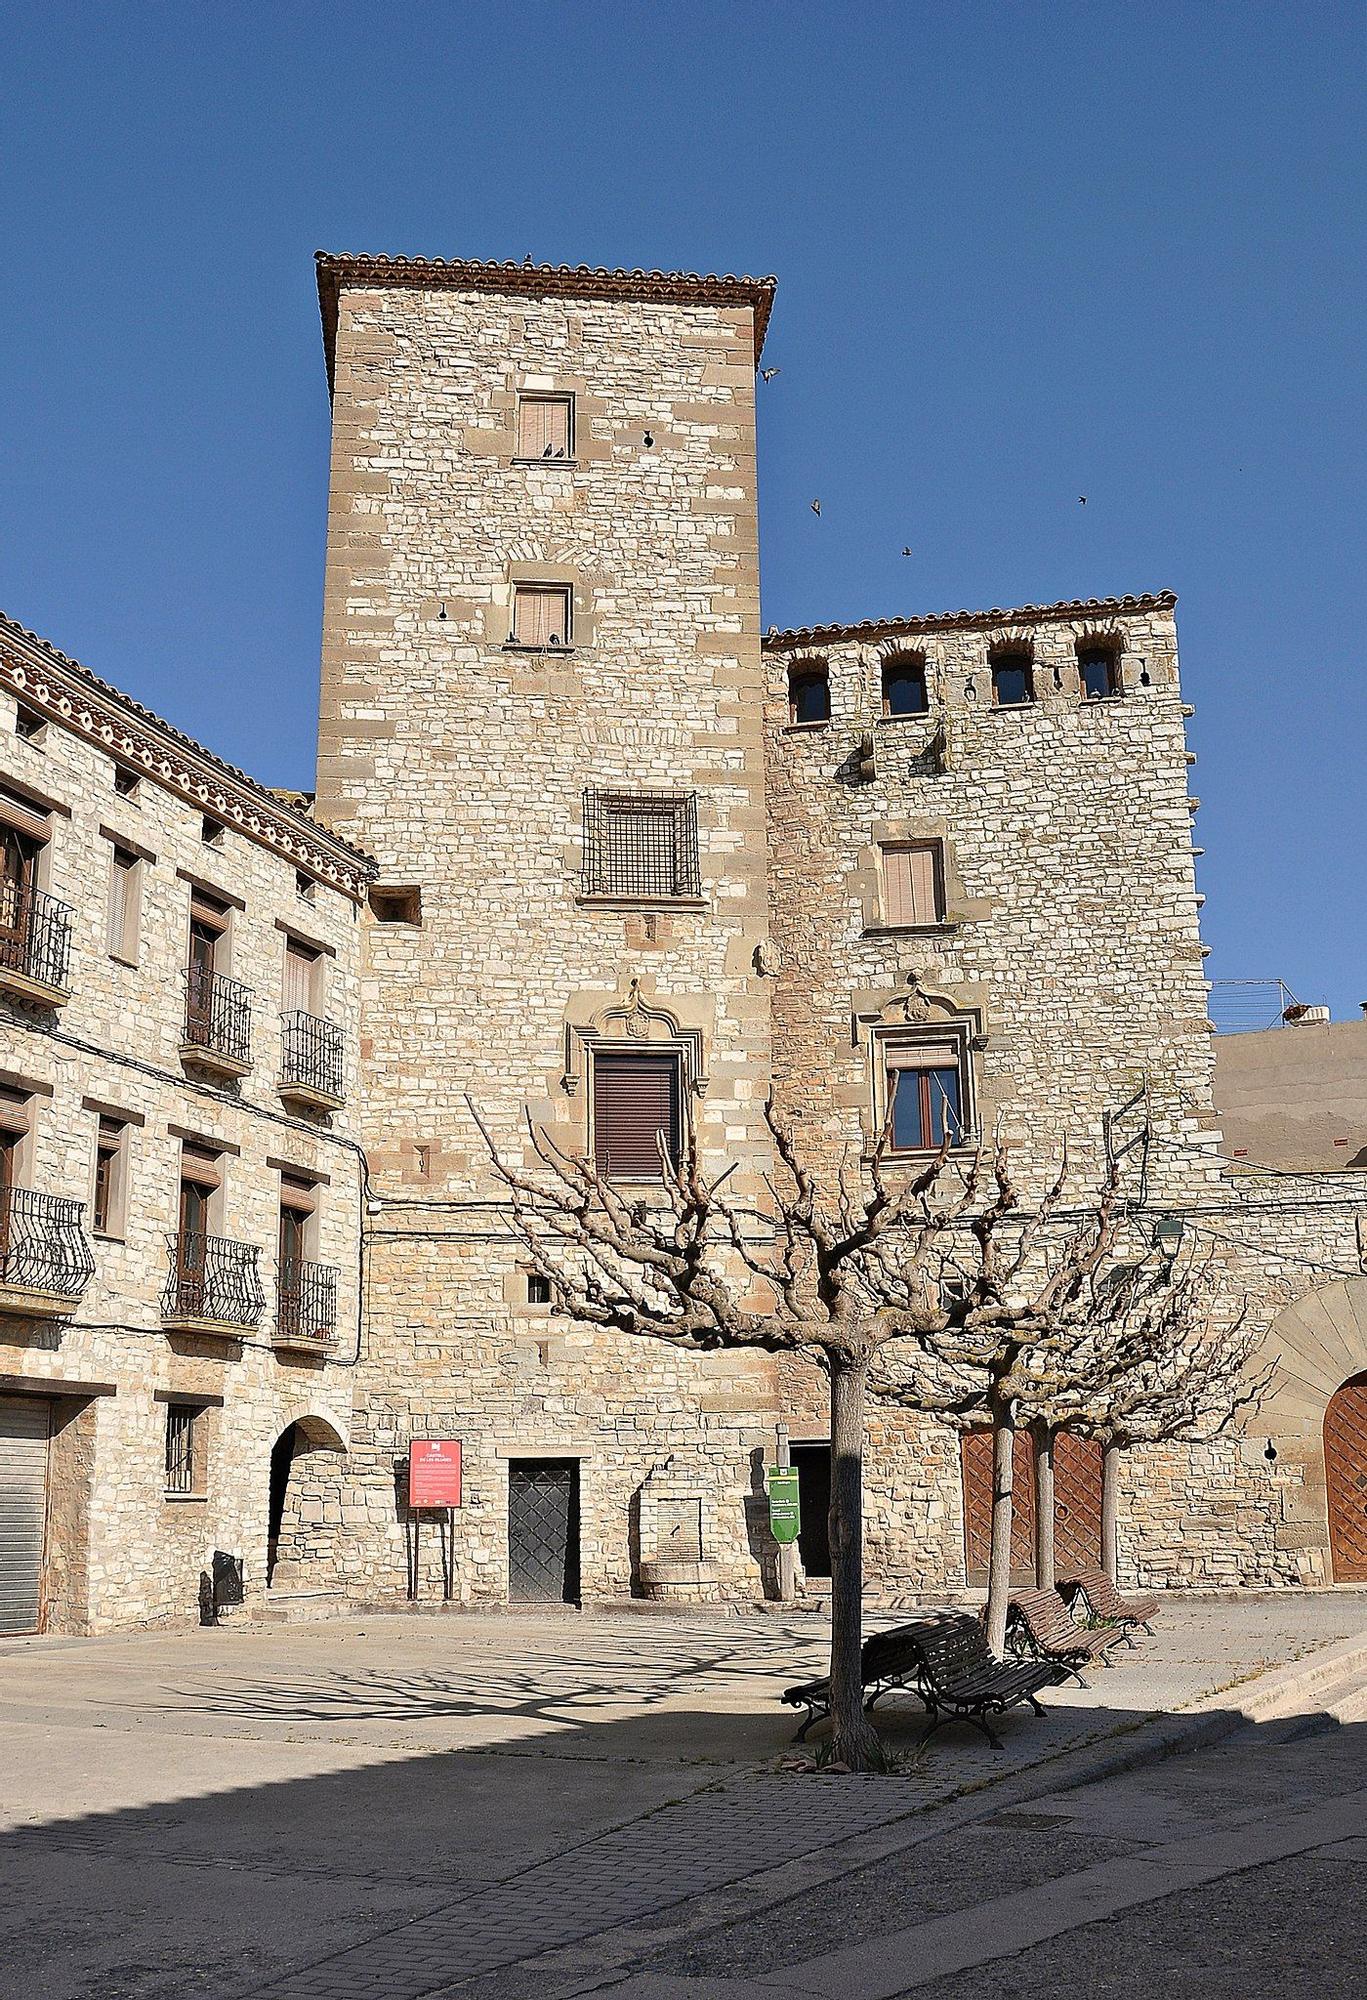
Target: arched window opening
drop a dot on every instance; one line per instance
(1098, 672)
(1013, 680)
(809, 695)
(904, 686)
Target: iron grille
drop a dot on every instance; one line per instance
(641, 844)
(543, 1530)
(213, 1278)
(311, 1057)
(218, 1014)
(35, 934)
(44, 1245)
(307, 1305)
(180, 1448)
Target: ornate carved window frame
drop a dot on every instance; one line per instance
(914, 1012)
(634, 1023)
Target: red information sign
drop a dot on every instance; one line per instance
(434, 1472)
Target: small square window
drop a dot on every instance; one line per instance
(545, 427)
(396, 905)
(211, 831)
(542, 615)
(809, 696)
(28, 724)
(538, 1289)
(304, 885)
(126, 782)
(912, 884)
(1098, 671)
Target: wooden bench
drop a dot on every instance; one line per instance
(1040, 1626)
(1091, 1583)
(944, 1660)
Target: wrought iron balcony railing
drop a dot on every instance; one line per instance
(311, 1056)
(307, 1307)
(43, 1244)
(218, 1016)
(35, 936)
(214, 1279)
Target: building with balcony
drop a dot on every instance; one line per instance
(179, 1169)
(637, 864)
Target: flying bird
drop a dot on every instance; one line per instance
(816, 506)
(768, 374)
(906, 552)
(1082, 499)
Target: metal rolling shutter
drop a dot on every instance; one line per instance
(23, 1509)
(634, 1098)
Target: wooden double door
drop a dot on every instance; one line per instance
(1077, 1504)
(1345, 1473)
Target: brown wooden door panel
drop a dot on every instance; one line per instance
(1345, 1472)
(976, 1457)
(1077, 1502)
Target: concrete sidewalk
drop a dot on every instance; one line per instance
(371, 1808)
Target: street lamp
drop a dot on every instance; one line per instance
(1167, 1236)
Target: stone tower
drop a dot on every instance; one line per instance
(542, 711)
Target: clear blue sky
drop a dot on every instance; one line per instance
(1025, 251)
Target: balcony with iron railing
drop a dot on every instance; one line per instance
(35, 945)
(306, 1310)
(214, 1285)
(218, 1023)
(311, 1061)
(46, 1260)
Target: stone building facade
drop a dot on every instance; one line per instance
(179, 962)
(636, 863)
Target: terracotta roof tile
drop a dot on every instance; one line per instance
(953, 621)
(574, 281)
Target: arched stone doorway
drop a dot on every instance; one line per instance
(1345, 1479)
(1316, 1420)
(305, 1471)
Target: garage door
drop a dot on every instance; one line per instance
(23, 1509)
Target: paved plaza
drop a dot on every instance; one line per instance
(392, 1807)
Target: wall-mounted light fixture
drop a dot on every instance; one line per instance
(1167, 1236)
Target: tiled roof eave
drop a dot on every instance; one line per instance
(581, 281)
(65, 692)
(954, 621)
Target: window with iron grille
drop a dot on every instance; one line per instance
(180, 1447)
(545, 427)
(641, 844)
(637, 1107)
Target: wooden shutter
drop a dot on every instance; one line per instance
(911, 884)
(539, 613)
(299, 977)
(543, 427)
(124, 900)
(635, 1098)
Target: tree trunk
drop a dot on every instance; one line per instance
(999, 1564)
(854, 1737)
(1044, 1508)
(1110, 1497)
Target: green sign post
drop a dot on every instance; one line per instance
(785, 1512)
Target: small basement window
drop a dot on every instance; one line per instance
(809, 696)
(1013, 680)
(904, 687)
(1098, 672)
(396, 905)
(538, 1289)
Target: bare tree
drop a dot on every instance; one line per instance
(832, 1272)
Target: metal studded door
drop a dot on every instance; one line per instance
(24, 1425)
(1345, 1472)
(1077, 1502)
(543, 1530)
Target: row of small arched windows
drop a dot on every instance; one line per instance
(904, 683)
